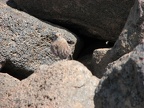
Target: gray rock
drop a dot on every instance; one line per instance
(130, 37)
(97, 18)
(25, 41)
(65, 84)
(132, 33)
(122, 85)
(7, 83)
(100, 59)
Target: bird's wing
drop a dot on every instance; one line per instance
(61, 48)
(64, 49)
(54, 48)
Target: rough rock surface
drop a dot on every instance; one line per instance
(103, 19)
(65, 84)
(100, 59)
(132, 33)
(130, 37)
(25, 41)
(122, 86)
(7, 82)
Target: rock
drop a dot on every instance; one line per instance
(25, 41)
(65, 84)
(100, 59)
(132, 33)
(130, 37)
(7, 83)
(96, 18)
(122, 85)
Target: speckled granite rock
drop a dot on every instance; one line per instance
(100, 59)
(122, 86)
(25, 41)
(132, 33)
(7, 83)
(65, 84)
(130, 37)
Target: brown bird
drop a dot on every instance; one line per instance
(60, 47)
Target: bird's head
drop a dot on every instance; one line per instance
(56, 35)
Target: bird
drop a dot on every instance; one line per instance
(60, 47)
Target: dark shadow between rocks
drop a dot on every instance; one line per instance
(90, 44)
(17, 72)
(12, 4)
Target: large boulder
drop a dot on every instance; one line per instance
(130, 37)
(122, 85)
(65, 84)
(132, 33)
(103, 19)
(7, 83)
(25, 41)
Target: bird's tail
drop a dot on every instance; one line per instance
(71, 57)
